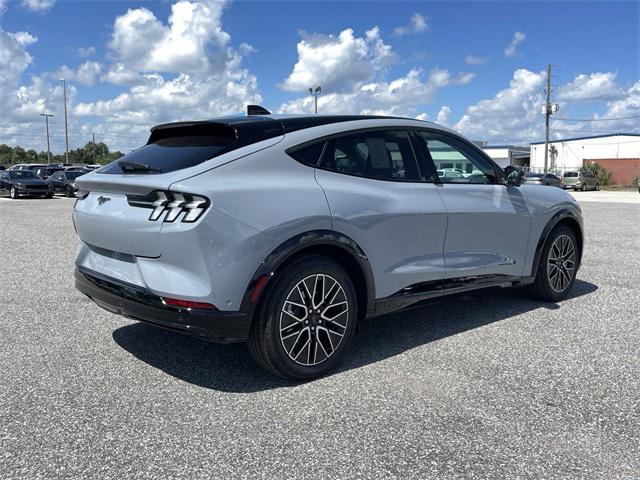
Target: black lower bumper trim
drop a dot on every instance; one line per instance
(138, 303)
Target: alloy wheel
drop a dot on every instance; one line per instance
(561, 265)
(314, 319)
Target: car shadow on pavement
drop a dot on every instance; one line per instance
(230, 367)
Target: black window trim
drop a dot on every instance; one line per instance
(327, 139)
(430, 164)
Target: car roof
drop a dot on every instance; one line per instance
(250, 129)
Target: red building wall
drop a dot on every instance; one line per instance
(624, 171)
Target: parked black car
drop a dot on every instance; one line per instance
(64, 181)
(45, 172)
(23, 182)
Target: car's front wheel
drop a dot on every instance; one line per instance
(306, 321)
(558, 266)
(68, 191)
(597, 187)
(13, 193)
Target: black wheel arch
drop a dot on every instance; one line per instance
(566, 217)
(335, 245)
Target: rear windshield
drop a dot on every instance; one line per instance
(534, 175)
(171, 154)
(570, 174)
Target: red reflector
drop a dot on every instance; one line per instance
(257, 290)
(174, 302)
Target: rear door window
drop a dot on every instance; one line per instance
(381, 155)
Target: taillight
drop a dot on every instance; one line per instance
(171, 205)
(174, 302)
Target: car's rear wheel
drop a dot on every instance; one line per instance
(306, 320)
(558, 266)
(597, 187)
(13, 193)
(584, 187)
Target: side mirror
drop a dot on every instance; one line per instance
(513, 175)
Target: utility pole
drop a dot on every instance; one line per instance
(66, 127)
(315, 93)
(547, 114)
(94, 147)
(46, 122)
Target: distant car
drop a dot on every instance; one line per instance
(45, 172)
(23, 182)
(450, 173)
(542, 179)
(64, 181)
(580, 181)
(27, 166)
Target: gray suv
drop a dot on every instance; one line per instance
(286, 231)
(580, 181)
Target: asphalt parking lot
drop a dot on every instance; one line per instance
(488, 385)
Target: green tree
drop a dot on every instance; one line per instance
(602, 174)
(19, 155)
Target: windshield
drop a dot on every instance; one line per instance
(22, 174)
(73, 175)
(534, 175)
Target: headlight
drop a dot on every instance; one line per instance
(171, 205)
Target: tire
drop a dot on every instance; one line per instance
(597, 187)
(68, 191)
(13, 193)
(295, 344)
(49, 195)
(554, 284)
(584, 187)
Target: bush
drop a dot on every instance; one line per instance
(602, 174)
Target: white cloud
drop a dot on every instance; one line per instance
(473, 60)
(512, 114)
(86, 74)
(24, 39)
(339, 63)
(183, 69)
(465, 78)
(417, 24)
(423, 116)
(517, 39)
(38, 5)
(144, 43)
(119, 74)
(84, 52)
(396, 97)
(443, 115)
(595, 87)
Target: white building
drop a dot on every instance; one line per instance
(505, 155)
(570, 153)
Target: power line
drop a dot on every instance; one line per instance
(597, 119)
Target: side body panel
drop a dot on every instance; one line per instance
(399, 225)
(488, 230)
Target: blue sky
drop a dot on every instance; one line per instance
(444, 61)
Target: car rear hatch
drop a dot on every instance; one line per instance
(570, 178)
(115, 207)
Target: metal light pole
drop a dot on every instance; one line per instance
(66, 127)
(46, 122)
(315, 93)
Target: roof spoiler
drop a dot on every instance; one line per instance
(257, 110)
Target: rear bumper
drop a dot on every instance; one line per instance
(138, 303)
